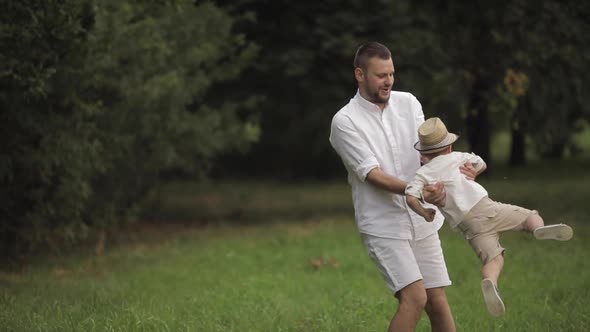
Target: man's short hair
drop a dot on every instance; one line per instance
(370, 50)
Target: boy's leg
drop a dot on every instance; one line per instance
(490, 273)
(560, 232)
(491, 254)
(492, 298)
(535, 224)
(493, 268)
(532, 222)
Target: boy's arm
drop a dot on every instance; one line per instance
(482, 168)
(415, 194)
(415, 205)
(474, 166)
(433, 194)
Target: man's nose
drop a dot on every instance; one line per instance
(390, 80)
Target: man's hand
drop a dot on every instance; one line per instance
(468, 170)
(435, 194)
(429, 216)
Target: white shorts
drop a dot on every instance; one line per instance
(402, 262)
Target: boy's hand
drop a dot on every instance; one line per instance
(429, 216)
(468, 170)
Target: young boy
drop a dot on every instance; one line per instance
(468, 209)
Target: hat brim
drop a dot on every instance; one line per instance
(450, 139)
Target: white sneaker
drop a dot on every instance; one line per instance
(492, 298)
(560, 232)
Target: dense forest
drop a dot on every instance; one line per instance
(103, 100)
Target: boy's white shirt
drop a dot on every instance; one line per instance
(461, 194)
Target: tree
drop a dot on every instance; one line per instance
(155, 91)
(99, 99)
(546, 47)
(488, 45)
(470, 32)
(304, 73)
(46, 160)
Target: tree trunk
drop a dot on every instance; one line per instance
(555, 152)
(518, 131)
(517, 149)
(478, 124)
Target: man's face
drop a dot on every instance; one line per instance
(377, 80)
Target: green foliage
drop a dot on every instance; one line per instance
(546, 42)
(49, 152)
(304, 71)
(453, 56)
(155, 91)
(549, 44)
(100, 98)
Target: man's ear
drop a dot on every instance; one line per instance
(359, 74)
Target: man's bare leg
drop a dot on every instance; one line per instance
(439, 311)
(412, 300)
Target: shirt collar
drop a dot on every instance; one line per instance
(367, 104)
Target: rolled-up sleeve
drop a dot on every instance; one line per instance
(351, 147)
(476, 160)
(415, 187)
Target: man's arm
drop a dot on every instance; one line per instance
(387, 182)
(433, 194)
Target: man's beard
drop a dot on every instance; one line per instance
(377, 99)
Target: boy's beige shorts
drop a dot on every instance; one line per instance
(484, 223)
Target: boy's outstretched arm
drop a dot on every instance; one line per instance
(472, 170)
(469, 170)
(482, 168)
(415, 205)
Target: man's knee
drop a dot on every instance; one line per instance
(436, 300)
(413, 297)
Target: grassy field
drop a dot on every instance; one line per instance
(270, 257)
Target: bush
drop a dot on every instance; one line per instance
(99, 99)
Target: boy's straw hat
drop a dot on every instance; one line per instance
(433, 136)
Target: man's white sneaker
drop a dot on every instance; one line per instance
(492, 298)
(559, 232)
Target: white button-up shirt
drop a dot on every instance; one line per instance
(462, 194)
(365, 138)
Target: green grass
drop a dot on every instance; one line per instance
(308, 274)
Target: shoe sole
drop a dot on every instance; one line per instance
(559, 232)
(492, 299)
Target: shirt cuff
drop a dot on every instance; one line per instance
(414, 191)
(365, 167)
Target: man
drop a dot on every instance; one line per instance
(374, 135)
